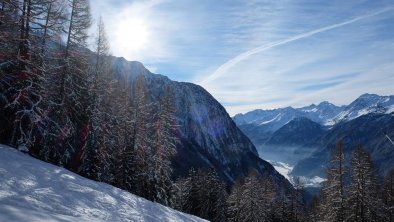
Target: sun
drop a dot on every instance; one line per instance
(132, 34)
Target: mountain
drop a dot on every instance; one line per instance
(259, 125)
(208, 136)
(304, 137)
(298, 131)
(325, 113)
(366, 103)
(292, 142)
(32, 190)
(368, 130)
(321, 113)
(276, 118)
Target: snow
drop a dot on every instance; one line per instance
(32, 190)
(283, 168)
(312, 182)
(276, 118)
(390, 109)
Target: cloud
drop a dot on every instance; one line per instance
(223, 68)
(188, 40)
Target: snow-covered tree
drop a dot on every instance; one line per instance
(333, 190)
(234, 201)
(142, 163)
(202, 194)
(164, 148)
(388, 196)
(97, 156)
(364, 204)
(298, 208)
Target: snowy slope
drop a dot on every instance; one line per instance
(365, 104)
(32, 190)
(272, 120)
(325, 113)
(283, 168)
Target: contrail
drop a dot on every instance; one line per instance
(221, 70)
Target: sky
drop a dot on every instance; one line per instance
(260, 54)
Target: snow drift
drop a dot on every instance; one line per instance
(32, 190)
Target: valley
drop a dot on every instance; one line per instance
(301, 139)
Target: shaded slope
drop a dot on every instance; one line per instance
(367, 130)
(209, 137)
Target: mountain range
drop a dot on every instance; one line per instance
(304, 137)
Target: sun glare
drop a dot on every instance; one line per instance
(132, 34)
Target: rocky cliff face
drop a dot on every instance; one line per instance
(208, 135)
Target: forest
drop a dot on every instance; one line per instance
(61, 102)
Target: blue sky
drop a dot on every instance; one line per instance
(260, 53)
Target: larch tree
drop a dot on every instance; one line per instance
(234, 201)
(97, 156)
(252, 205)
(142, 144)
(333, 190)
(28, 80)
(74, 86)
(364, 204)
(298, 209)
(388, 196)
(164, 147)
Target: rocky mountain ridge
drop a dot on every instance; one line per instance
(208, 136)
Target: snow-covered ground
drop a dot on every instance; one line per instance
(32, 190)
(312, 182)
(283, 168)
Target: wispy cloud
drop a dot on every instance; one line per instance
(287, 52)
(223, 68)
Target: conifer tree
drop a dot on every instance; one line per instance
(364, 204)
(142, 144)
(164, 148)
(97, 158)
(74, 86)
(333, 190)
(388, 196)
(234, 201)
(297, 202)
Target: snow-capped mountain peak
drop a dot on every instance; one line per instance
(365, 104)
(324, 113)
